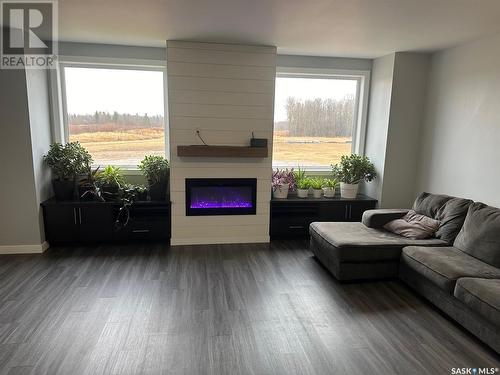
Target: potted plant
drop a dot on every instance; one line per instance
(156, 170)
(351, 171)
(110, 180)
(88, 189)
(283, 181)
(66, 161)
(329, 185)
(303, 186)
(317, 186)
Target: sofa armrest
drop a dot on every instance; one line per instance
(378, 218)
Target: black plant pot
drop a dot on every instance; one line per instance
(110, 192)
(64, 189)
(158, 191)
(141, 196)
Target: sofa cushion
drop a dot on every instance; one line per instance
(379, 217)
(481, 296)
(450, 211)
(443, 266)
(413, 225)
(355, 242)
(480, 235)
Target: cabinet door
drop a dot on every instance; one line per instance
(356, 209)
(61, 223)
(95, 223)
(333, 211)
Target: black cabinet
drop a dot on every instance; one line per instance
(67, 222)
(292, 216)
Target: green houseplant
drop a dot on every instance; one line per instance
(110, 180)
(351, 170)
(303, 186)
(156, 170)
(329, 185)
(66, 161)
(317, 186)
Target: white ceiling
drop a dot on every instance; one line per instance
(353, 28)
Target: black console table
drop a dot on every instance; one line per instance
(292, 216)
(78, 221)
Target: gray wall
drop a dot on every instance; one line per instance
(405, 127)
(378, 121)
(18, 202)
(111, 51)
(41, 138)
(319, 62)
(460, 151)
(395, 117)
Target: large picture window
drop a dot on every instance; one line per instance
(315, 119)
(117, 114)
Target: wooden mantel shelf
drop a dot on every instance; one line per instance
(222, 151)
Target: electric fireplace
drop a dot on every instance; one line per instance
(221, 196)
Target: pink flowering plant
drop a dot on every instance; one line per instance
(283, 176)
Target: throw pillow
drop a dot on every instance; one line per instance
(414, 226)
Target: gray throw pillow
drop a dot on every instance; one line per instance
(480, 235)
(413, 225)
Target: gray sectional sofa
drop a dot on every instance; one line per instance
(458, 270)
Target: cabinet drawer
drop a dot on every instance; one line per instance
(291, 226)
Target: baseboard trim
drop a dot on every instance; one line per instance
(24, 249)
(218, 240)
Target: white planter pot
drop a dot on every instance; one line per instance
(317, 193)
(281, 191)
(348, 191)
(302, 193)
(329, 192)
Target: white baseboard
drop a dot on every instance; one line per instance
(24, 249)
(217, 240)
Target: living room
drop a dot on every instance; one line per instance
(250, 188)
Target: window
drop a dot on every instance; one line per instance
(316, 119)
(116, 113)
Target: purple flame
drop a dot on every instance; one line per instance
(221, 197)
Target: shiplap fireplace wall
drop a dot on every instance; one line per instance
(225, 91)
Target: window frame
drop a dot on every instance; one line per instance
(361, 104)
(59, 98)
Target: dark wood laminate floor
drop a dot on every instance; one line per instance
(226, 309)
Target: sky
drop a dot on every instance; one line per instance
(108, 90)
(309, 89)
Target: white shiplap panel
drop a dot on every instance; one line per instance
(206, 56)
(247, 48)
(212, 124)
(219, 84)
(219, 231)
(260, 171)
(217, 137)
(221, 111)
(218, 97)
(214, 221)
(225, 91)
(266, 73)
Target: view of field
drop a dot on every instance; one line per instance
(308, 151)
(125, 147)
(129, 146)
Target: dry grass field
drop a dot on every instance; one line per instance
(125, 147)
(128, 147)
(306, 151)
